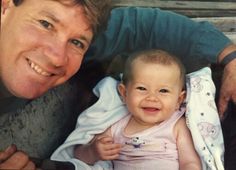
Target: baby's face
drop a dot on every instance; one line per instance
(154, 93)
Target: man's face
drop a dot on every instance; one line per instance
(42, 45)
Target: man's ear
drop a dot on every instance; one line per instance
(122, 90)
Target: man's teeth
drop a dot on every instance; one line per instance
(38, 69)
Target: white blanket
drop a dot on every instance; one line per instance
(109, 108)
(202, 119)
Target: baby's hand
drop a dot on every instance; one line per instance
(105, 148)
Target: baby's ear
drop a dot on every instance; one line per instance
(181, 98)
(122, 90)
(5, 4)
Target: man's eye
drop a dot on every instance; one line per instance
(141, 88)
(164, 91)
(77, 43)
(45, 24)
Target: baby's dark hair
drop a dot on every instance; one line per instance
(96, 11)
(152, 56)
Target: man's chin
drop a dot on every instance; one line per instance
(27, 94)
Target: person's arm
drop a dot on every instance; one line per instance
(135, 28)
(101, 147)
(86, 153)
(188, 157)
(13, 159)
(228, 88)
(195, 43)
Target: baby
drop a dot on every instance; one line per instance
(154, 133)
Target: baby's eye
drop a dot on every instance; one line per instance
(141, 88)
(163, 91)
(46, 24)
(77, 43)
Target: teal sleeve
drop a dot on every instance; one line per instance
(136, 28)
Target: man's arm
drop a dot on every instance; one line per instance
(228, 88)
(13, 159)
(195, 43)
(135, 28)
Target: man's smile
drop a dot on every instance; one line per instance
(38, 69)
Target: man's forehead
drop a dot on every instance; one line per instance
(64, 2)
(67, 2)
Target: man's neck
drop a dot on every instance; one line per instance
(8, 102)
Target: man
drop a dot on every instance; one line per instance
(61, 29)
(43, 43)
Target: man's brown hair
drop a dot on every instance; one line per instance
(96, 11)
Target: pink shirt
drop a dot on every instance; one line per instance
(151, 149)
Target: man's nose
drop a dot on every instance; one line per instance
(56, 52)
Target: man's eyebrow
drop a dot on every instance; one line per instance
(50, 15)
(85, 39)
(55, 19)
